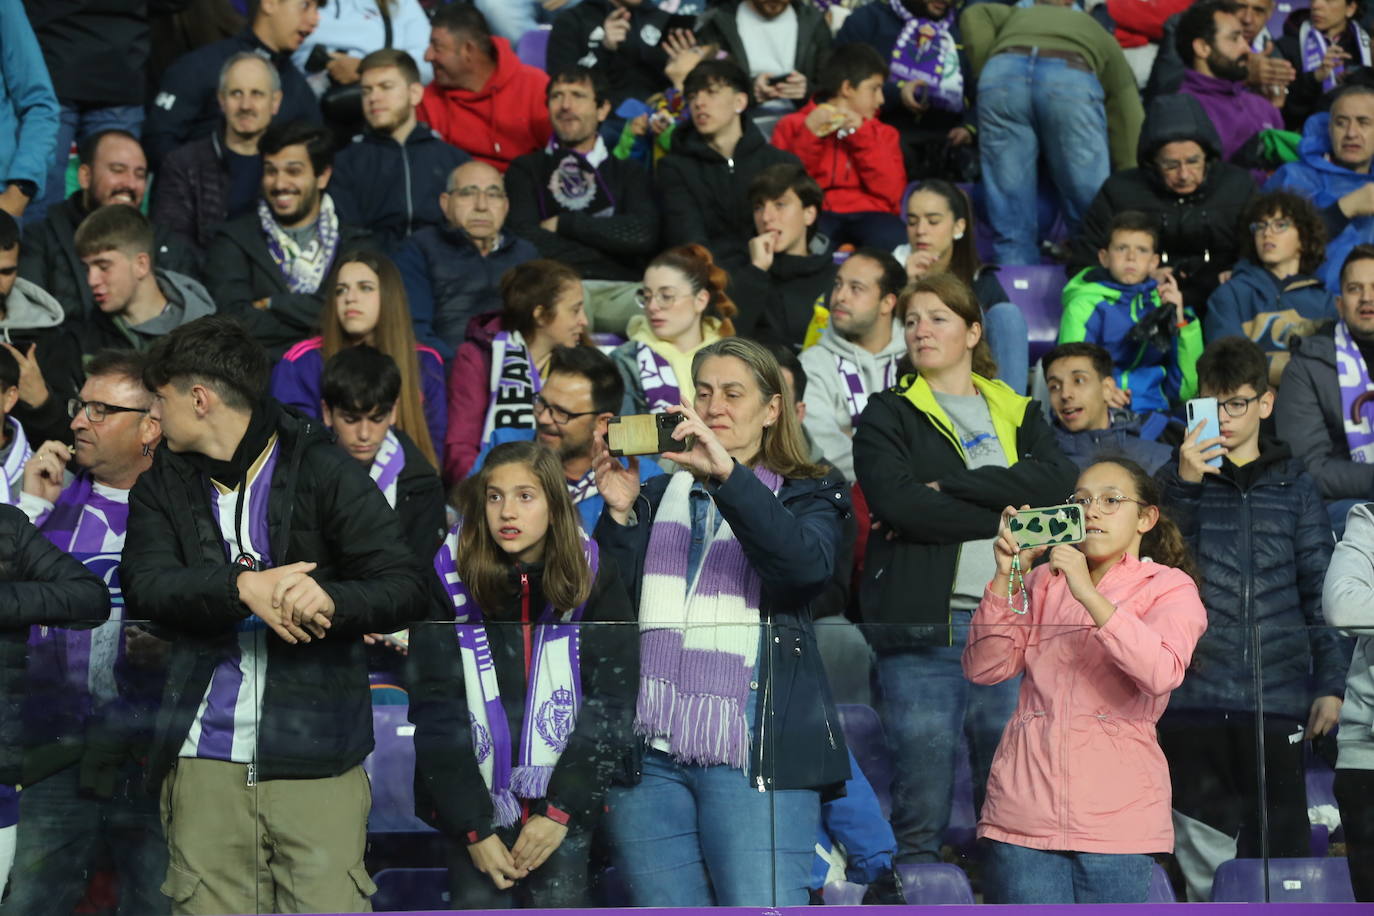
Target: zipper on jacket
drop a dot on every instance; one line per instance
(525, 619)
(252, 773)
(410, 206)
(765, 658)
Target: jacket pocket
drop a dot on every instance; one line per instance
(361, 880)
(181, 885)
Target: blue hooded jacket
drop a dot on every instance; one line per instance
(1258, 305)
(28, 107)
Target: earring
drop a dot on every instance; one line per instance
(147, 450)
(958, 236)
(739, 111)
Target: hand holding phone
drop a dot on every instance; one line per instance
(1047, 526)
(1202, 449)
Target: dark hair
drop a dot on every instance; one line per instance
(90, 145)
(1200, 21)
(9, 370)
(9, 231)
(1358, 253)
(485, 567)
(892, 278)
(714, 72)
(526, 287)
(253, 6)
(608, 387)
(1135, 221)
(1231, 362)
(788, 362)
(391, 57)
(213, 351)
(463, 20)
(963, 260)
(779, 178)
(317, 140)
(126, 364)
(1101, 359)
(959, 299)
(360, 379)
(850, 63)
(702, 272)
(1164, 542)
(114, 227)
(577, 74)
(1306, 219)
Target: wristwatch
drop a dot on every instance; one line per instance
(28, 188)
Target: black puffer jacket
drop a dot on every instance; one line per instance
(1199, 233)
(323, 508)
(420, 501)
(191, 195)
(1263, 552)
(777, 306)
(39, 585)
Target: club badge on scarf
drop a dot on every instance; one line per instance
(576, 184)
(925, 50)
(513, 384)
(1357, 396)
(657, 379)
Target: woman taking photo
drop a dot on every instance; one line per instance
(685, 309)
(740, 738)
(1079, 794)
(529, 695)
(367, 305)
(938, 456)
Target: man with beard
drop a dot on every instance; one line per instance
(216, 178)
(266, 267)
(1212, 43)
(582, 392)
(113, 170)
(391, 176)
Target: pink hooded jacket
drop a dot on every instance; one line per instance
(1079, 767)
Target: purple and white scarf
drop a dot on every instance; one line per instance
(303, 268)
(1357, 396)
(513, 384)
(1314, 46)
(12, 471)
(584, 487)
(576, 184)
(657, 379)
(699, 640)
(925, 50)
(855, 393)
(552, 699)
(388, 465)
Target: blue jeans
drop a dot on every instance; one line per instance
(512, 18)
(1032, 109)
(61, 833)
(1009, 341)
(703, 836)
(855, 821)
(74, 125)
(925, 703)
(1018, 874)
(868, 228)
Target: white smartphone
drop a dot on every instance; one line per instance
(1204, 411)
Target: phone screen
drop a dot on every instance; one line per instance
(1204, 411)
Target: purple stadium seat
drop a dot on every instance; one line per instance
(934, 883)
(1035, 289)
(1161, 891)
(391, 767)
(844, 893)
(401, 889)
(960, 832)
(1290, 881)
(533, 47)
(863, 732)
(1282, 10)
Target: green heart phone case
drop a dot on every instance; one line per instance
(1048, 526)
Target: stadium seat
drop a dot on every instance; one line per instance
(391, 767)
(533, 47)
(863, 732)
(844, 893)
(1161, 891)
(1290, 881)
(401, 889)
(934, 883)
(1036, 289)
(1282, 10)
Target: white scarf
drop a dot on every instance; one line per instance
(13, 468)
(513, 384)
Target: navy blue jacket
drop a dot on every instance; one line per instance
(791, 541)
(1256, 304)
(1130, 434)
(391, 188)
(1262, 553)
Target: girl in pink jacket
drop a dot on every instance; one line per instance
(1079, 797)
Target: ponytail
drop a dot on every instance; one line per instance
(1164, 542)
(702, 272)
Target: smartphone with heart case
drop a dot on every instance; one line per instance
(1048, 526)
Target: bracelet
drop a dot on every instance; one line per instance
(1016, 582)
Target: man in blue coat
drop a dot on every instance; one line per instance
(28, 111)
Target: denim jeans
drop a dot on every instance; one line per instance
(703, 836)
(74, 125)
(867, 228)
(1032, 109)
(1018, 874)
(512, 18)
(60, 835)
(1009, 341)
(925, 703)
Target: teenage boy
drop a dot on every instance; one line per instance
(1258, 530)
(264, 554)
(1082, 392)
(1117, 305)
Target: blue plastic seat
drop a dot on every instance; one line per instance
(533, 47)
(401, 889)
(929, 884)
(1290, 881)
(863, 732)
(391, 767)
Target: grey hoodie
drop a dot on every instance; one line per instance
(29, 307)
(187, 300)
(1348, 603)
(827, 402)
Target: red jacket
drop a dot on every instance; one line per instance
(1139, 22)
(469, 393)
(506, 118)
(860, 173)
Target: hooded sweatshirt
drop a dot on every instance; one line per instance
(830, 404)
(29, 317)
(187, 300)
(1348, 602)
(1237, 112)
(506, 118)
(626, 358)
(1256, 304)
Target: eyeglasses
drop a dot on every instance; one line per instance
(560, 416)
(1236, 407)
(665, 297)
(1277, 226)
(1107, 502)
(97, 411)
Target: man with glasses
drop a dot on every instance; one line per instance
(452, 273)
(93, 694)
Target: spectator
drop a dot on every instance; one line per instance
(113, 170)
(1262, 540)
(500, 368)
(1273, 294)
(137, 302)
(28, 113)
(483, 99)
(854, 156)
(1212, 44)
(790, 267)
(527, 839)
(1053, 86)
(1333, 172)
(218, 177)
(1195, 198)
(577, 203)
(1267, 72)
(452, 272)
(15, 449)
(781, 44)
(1315, 413)
(1325, 44)
(93, 694)
(300, 738)
(186, 108)
(1154, 338)
(366, 305)
(1074, 813)
(267, 267)
(350, 30)
(1348, 603)
(704, 180)
(857, 355)
(619, 40)
(1088, 425)
(716, 803)
(686, 309)
(392, 176)
(938, 457)
(361, 397)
